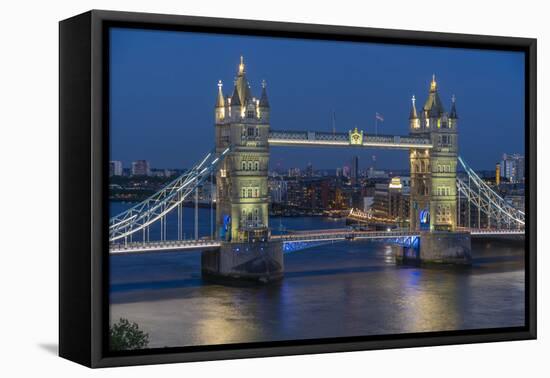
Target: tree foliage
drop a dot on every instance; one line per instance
(125, 335)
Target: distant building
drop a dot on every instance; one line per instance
(115, 168)
(373, 173)
(346, 171)
(293, 172)
(141, 168)
(278, 190)
(355, 170)
(161, 172)
(512, 168)
(497, 174)
(367, 204)
(391, 199)
(309, 170)
(380, 205)
(517, 201)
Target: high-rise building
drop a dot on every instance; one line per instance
(497, 174)
(346, 171)
(355, 170)
(278, 190)
(115, 168)
(141, 168)
(309, 170)
(512, 167)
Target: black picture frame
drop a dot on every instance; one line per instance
(84, 139)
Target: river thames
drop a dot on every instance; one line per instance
(344, 289)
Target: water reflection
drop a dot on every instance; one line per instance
(428, 303)
(344, 289)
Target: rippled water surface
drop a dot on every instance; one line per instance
(343, 289)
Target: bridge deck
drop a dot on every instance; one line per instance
(490, 232)
(297, 237)
(164, 246)
(342, 234)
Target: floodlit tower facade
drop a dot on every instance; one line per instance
(433, 172)
(242, 123)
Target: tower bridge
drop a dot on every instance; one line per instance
(242, 246)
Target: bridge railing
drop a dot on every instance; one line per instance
(348, 234)
(160, 245)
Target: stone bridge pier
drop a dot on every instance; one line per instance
(438, 247)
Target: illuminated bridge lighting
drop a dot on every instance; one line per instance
(312, 138)
(138, 219)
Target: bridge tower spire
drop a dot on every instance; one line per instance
(414, 122)
(220, 103)
(433, 173)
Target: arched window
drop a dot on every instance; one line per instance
(249, 192)
(244, 166)
(249, 165)
(257, 166)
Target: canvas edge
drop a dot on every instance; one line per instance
(98, 152)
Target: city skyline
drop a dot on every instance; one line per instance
(159, 93)
(362, 166)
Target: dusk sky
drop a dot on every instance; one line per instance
(164, 85)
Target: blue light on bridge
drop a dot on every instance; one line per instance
(224, 230)
(295, 246)
(424, 219)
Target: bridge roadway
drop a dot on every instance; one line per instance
(301, 237)
(296, 237)
(492, 232)
(163, 246)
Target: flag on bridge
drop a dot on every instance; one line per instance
(379, 117)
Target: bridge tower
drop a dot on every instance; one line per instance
(242, 219)
(242, 122)
(433, 172)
